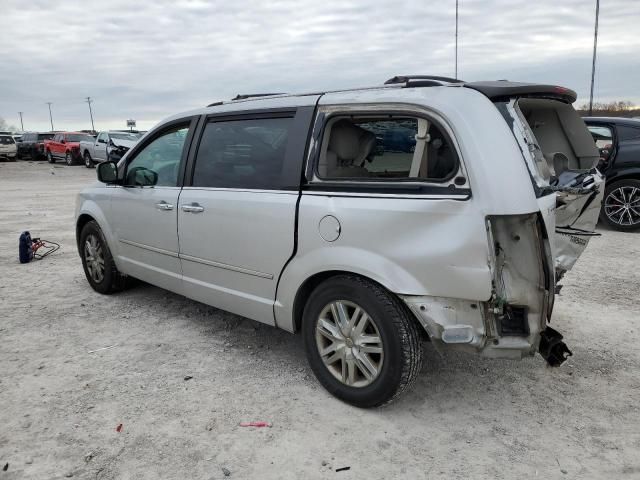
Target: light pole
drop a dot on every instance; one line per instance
(593, 63)
(93, 129)
(50, 116)
(456, 74)
(21, 124)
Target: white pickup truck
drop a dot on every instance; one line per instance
(107, 146)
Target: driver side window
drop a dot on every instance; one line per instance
(159, 158)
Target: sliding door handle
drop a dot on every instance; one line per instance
(193, 208)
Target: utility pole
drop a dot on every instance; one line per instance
(21, 124)
(50, 116)
(456, 74)
(93, 129)
(593, 63)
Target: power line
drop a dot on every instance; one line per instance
(593, 63)
(93, 129)
(50, 116)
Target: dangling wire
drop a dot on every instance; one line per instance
(48, 246)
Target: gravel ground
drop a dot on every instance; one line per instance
(466, 417)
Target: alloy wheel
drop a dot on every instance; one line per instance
(349, 343)
(622, 206)
(94, 258)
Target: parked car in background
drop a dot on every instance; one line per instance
(106, 147)
(8, 149)
(287, 210)
(618, 140)
(65, 146)
(32, 145)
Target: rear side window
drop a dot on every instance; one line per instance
(387, 148)
(6, 140)
(45, 136)
(601, 135)
(242, 154)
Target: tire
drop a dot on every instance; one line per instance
(396, 358)
(93, 249)
(50, 158)
(68, 159)
(621, 205)
(88, 162)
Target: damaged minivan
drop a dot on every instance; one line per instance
(367, 220)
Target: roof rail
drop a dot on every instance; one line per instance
(421, 80)
(215, 104)
(255, 95)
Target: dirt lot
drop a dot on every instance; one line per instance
(465, 418)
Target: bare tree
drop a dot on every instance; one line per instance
(620, 108)
(4, 126)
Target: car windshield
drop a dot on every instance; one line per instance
(77, 137)
(125, 136)
(45, 136)
(6, 140)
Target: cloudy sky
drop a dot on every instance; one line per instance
(147, 60)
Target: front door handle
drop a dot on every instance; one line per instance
(193, 208)
(164, 206)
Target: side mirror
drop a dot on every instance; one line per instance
(107, 172)
(63, 141)
(141, 177)
(102, 140)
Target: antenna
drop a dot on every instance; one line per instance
(593, 63)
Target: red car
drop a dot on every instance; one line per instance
(65, 146)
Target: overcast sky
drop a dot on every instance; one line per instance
(147, 60)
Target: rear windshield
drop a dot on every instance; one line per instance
(79, 138)
(45, 136)
(6, 140)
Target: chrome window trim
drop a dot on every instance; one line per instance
(325, 112)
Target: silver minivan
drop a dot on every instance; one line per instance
(368, 220)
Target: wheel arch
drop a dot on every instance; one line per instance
(90, 211)
(630, 174)
(309, 285)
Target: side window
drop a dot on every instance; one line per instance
(242, 154)
(160, 158)
(102, 138)
(628, 133)
(602, 136)
(386, 148)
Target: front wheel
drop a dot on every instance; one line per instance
(621, 205)
(97, 261)
(88, 162)
(362, 343)
(50, 158)
(68, 158)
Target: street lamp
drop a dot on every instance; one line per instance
(93, 129)
(50, 116)
(21, 124)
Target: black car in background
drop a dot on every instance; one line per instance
(32, 145)
(618, 140)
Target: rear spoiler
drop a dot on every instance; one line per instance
(503, 90)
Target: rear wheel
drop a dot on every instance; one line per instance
(362, 343)
(50, 158)
(621, 205)
(88, 162)
(97, 261)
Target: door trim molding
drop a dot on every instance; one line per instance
(226, 266)
(149, 247)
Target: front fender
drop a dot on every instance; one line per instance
(96, 203)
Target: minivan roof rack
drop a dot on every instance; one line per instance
(255, 95)
(421, 80)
